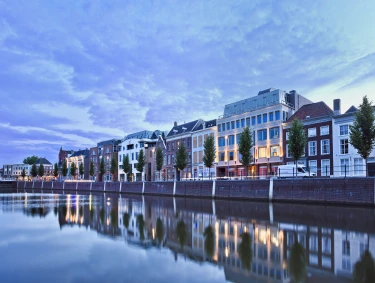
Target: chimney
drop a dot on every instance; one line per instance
(175, 124)
(336, 106)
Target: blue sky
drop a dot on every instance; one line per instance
(73, 73)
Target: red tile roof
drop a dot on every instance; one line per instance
(314, 110)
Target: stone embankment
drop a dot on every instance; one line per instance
(358, 191)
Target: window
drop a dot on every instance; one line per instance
(172, 159)
(253, 120)
(285, 115)
(172, 145)
(274, 133)
(262, 152)
(326, 245)
(188, 143)
(221, 141)
(262, 135)
(344, 130)
(219, 128)
(324, 130)
(277, 115)
(312, 132)
(270, 116)
(228, 126)
(231, 140)
(169, 159)
(132, 155)
(248, 122)
(265, 118)
(358, 166)
(312, 166)
(221, 156)
(287, 135)
(344, 146)
(230, 155)
(238, 136)
(275, 149)
(288, 153)
(259, 119)
(243, 123)
(312, 148)
(238, 124)
(325, 169)
(344, 164)
(325, 147)
(223, 127)
(345, 247)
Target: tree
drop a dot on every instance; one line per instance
(209, 241)
(81, 169)
(126, 167)
(126, 218)
(92, 169)
(245, 146)
(245, 250)
(181, 160)
(182, 233)
(34, 170)
(297, 262)
(41, 170)
(30, 160)
(364, 269)
(65, 168)
(101, 169)
(113, 167)
(362, 132)
(56, 170)
(209, 152)
(297, 141)
(141, 161)
(159, 230)
(159, 159)
(141, 226)
(23, 173)
(73, 169)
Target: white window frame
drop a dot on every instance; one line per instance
(344, 133)
(323, 130)
(344, 161)
(321, 147)
(277, 147)
(325, 169)
(310, 147)
(313, 166)
(358, 166)
(311, 132)
(342, 146)
(265, 152)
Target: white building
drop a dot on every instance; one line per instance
(199, 136)
(18, 168)
(346, 160)
(264, 114)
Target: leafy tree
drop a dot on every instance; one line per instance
(101, 169)
(73, 169)
(113, 167)
(65, 168)
(141, 161)
(34, 170)
(181, 160)
(56, 170)
(159, 159)
(209, 152)
(245, 146)
(159, 230)
(81, 169)
(245, 250)
(141, 226)
(297, 141)
(209, 241)
(362, 132)
(126, 166)
(297, 262)
(92, 169)
(23, 173)
(41, 170)
(126, 218)
(364, 269)
(182, 233)
(30, 160)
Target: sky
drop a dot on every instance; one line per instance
(74, 73)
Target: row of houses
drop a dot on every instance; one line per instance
(269, 115)
(14, 171)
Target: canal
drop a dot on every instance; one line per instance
(133, 238)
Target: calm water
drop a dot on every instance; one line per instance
(113, 238)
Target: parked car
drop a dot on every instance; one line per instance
(290, 171)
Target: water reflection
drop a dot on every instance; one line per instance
(259, 242)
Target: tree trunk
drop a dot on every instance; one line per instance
(366, 167)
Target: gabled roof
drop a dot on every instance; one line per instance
(352, 109)
(313, 110)
(43, 161)
(84, 152)
(208, 124)
(184, 128)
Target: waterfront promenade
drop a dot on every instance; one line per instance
(355, 191)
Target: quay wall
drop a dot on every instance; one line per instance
(357, 191)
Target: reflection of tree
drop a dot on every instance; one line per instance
(297, 262)
(364, 269)
(114, 218)
(101, 214)
(209, 241)
(73, 211)
(126, 218)
(159, 230)
(141, 226)
(55, 210)
(181, 233)
(92, 214)
(64, 210)
(245, 250)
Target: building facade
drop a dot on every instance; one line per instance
(199, 136)
(17, 171)
(264, 115)
(79, 157)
